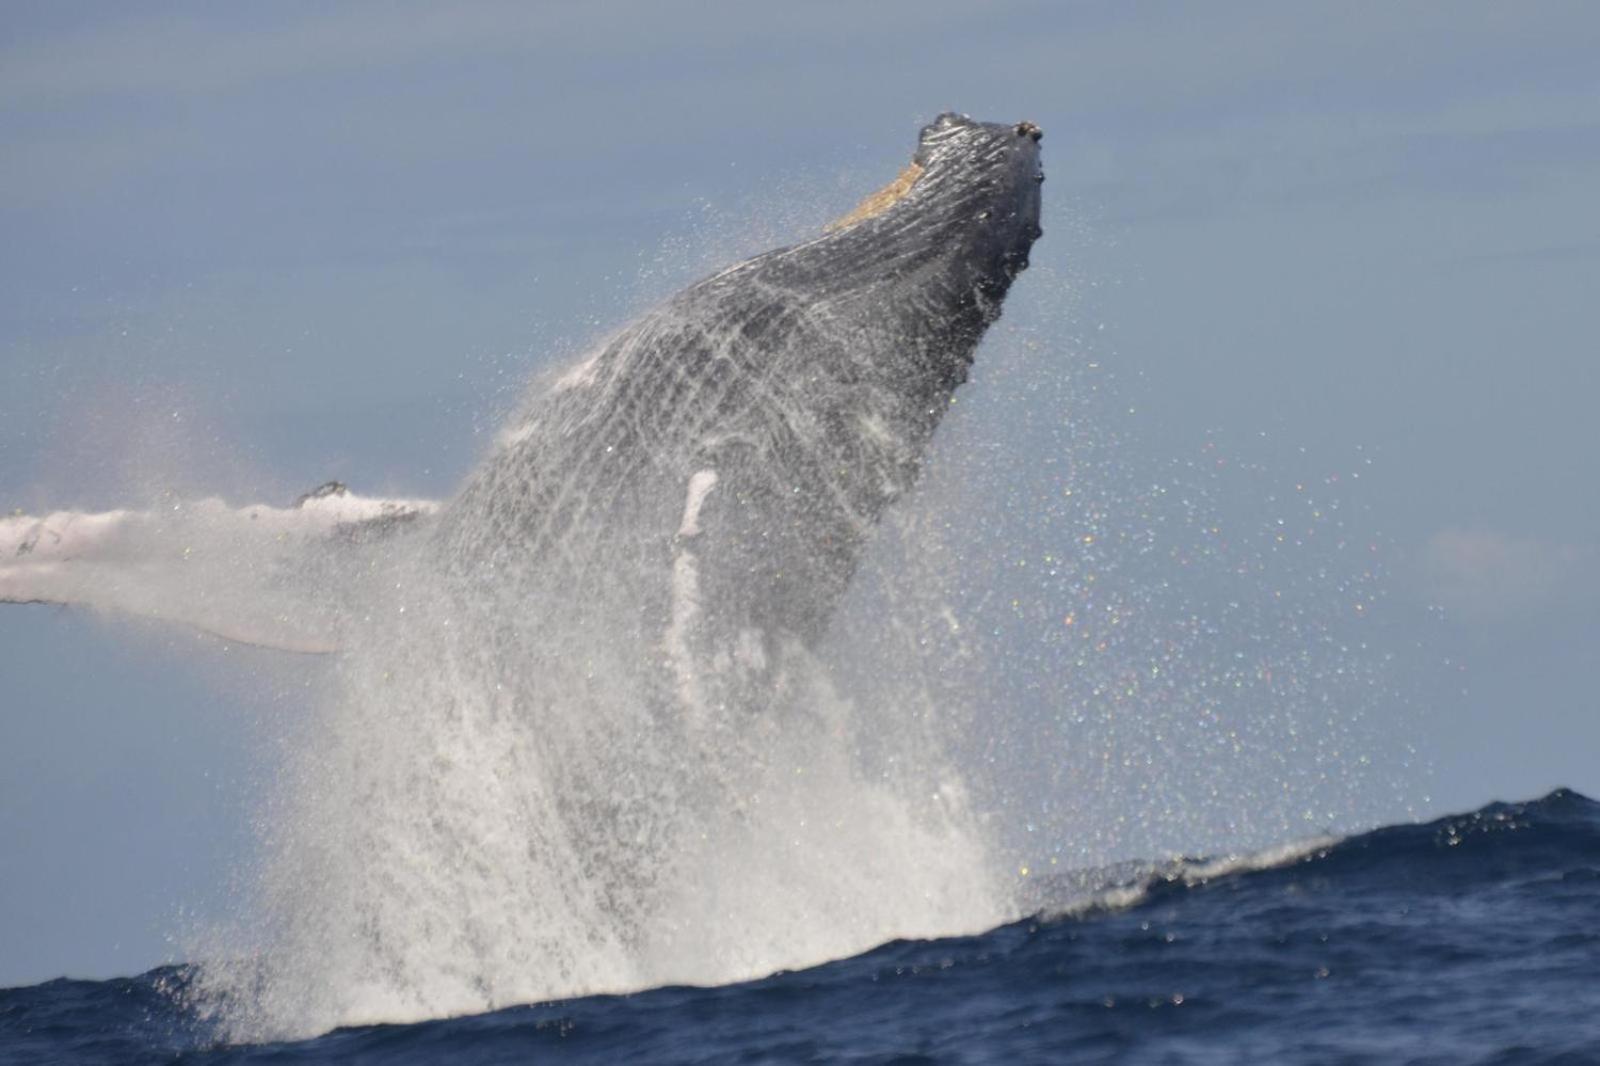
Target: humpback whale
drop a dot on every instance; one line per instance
(582, 732)
(715, 468)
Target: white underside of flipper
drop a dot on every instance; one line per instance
(255, 574)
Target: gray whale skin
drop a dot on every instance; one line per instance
(743, 438)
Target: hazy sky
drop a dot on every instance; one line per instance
(252, 248)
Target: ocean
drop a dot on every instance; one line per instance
(1470, 939)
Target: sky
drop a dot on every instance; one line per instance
(255, 248)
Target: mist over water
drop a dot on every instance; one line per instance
(453, 834)
(1187, 652)
(1056, 654)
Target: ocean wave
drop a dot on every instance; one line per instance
(1471, 938)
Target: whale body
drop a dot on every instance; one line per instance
(714, 469)
(582, 733)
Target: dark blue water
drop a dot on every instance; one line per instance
(1473, 939)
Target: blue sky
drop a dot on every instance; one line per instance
(252, 249)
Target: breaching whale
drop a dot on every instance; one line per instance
(545, 764)
(716, 466)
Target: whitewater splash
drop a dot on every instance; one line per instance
(564, 752)
(457, 833)
(585, 734)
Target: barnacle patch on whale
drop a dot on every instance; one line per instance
(882, 200)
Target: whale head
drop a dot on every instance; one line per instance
(982, 180)
(964, 213)
(952, 231)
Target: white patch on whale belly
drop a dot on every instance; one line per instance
(700, 486)
(686, 594)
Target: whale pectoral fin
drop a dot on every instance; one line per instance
(257, 574)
